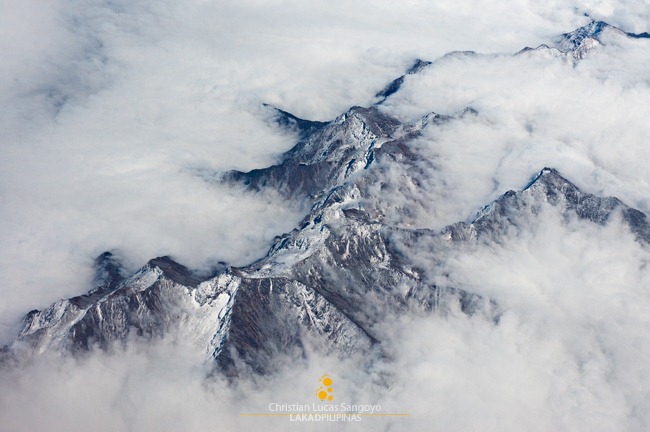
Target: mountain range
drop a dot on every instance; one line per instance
(345, 269)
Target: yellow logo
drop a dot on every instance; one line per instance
(325, 390)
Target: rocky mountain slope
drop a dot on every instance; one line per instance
(334, 278)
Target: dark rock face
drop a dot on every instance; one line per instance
(578, 43)
(594, 30)
(273, 316)
(330, 281)
(108, 275)
(548, 188)
(143, 305)
(326, 155)
(576, 39)
(396, 84)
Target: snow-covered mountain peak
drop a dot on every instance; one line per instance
(586, 38)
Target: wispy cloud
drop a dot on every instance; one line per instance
(110, 110)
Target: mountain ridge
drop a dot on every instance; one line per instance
(333, 279)
(251, 315)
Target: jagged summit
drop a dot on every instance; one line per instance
(582, 40)
(396, 84)
(578, 43)
(547, 173)
(548, 187)
(576, 38)
(109, 270)
(109, 273)
(594, 30)
(324, 156)
(175, 271)
(328, 154)
(295, 124)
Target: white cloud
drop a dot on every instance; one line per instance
(588, 121)
(568, 352)
(109, 109)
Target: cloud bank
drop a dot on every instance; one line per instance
(112, 110)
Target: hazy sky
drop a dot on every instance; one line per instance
(111, 113)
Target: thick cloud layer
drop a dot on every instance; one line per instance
(112, 113)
